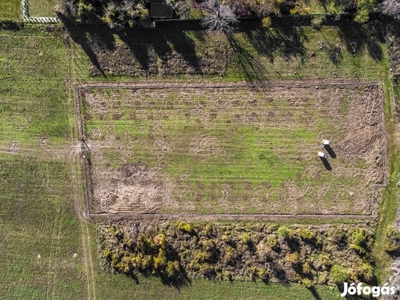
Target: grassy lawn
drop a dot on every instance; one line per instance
(253, 54)
(42, 8)
(120, 287)
(33, 100)
(326, 53)
(10, 10)
(389, 205)
(39, 231)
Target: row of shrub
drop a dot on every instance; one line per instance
(119, 14)
(245, 251)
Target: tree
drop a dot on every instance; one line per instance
(219, 17)
(118, 14)
(391, 8)
(364, 7)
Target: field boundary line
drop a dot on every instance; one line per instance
(224, 217)
(76, 170)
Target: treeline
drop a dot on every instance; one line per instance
(119, 14)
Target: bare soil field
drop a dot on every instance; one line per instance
(233, 149)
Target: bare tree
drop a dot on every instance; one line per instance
(219, 17)
(391, 8)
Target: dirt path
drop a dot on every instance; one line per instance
(320, 83)
(74, 153)
(225, 217)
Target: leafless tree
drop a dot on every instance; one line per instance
(219, 17)
(391, 8)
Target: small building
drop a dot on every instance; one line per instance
(161, 9)
(321, 154)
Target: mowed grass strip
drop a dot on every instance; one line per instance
(122, 287)
(235, 150)
(33, 95)
(39, 232)
(10, 10)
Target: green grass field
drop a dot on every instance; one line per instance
(10, 10)
(152, 288)
(33, 94)
(253, 54)
(42, 8)
(40, 235)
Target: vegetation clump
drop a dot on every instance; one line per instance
(295, 254)
(392, 243)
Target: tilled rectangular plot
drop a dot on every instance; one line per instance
(234, 149)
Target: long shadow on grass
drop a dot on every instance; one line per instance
(92, 39)
(285, 39)
(358, 37)
(249, 64)
(166, 43)
(140, 47)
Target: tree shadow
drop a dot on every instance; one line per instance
(11, 25)
(314, 293)
(141, 45)
(164, 42)
(358, 37)
(286, 38)
(178, 281)
(249, 64)
(92, 39)
(145, 47)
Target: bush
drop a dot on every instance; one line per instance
(366, 272)
(392, 243)
(307, 283)
(160, 261)
(360, 241)
(322, 262)
(185, 227)
(246, 239)
(364, 7)
(159, 240)
(266, 22)
(263, 274)
(306, 268)
(285, 232)
(334, 8)
(362, 16)
(338, 274)
(230, 255)
(305, 234)
(293, 258)
(272, 242)
(391, 8)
